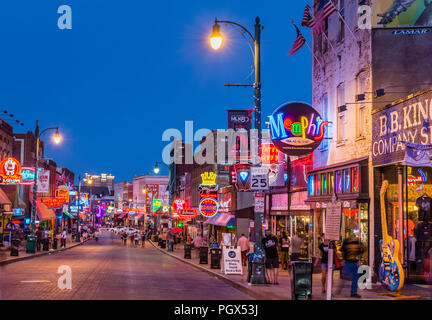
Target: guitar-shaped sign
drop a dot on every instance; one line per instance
(391, 273)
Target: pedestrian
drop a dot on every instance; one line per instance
(351, 251)
(96, 234)
(143, 238)
(284, 250)
(63, 239)
(296, 243)
(198, 242)
(137, 238)
(323, 257)
(244, 245)
(131, 236)
(271, 257)
(124, 237)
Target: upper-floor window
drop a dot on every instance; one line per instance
(324, 114)
(361, 109)
(340, 93)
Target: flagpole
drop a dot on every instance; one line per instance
(313, 54)
(308, 45)
(329, 42)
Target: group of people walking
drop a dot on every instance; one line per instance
(283, 250)
(134, 237)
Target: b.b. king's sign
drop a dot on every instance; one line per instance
(408, 121)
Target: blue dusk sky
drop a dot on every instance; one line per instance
(130, 69)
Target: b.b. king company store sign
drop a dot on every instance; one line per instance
(408, 121)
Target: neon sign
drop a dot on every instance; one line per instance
(10, 171)
(412, 180)
(179, 204)
(208, 178)
(296, 128)
(208, 207)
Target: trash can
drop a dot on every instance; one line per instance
(31, 244)
(14, 247)
(215, 257)
(55, 241)
(163, 244)
(301, 280)
(203, 255)
(187, 251)
(45, 244)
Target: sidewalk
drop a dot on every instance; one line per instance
(6, 258)
(283, 290)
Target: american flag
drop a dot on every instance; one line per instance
(298, 43)
(308, 20)
(325, 10)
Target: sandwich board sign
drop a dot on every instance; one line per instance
(231, 260)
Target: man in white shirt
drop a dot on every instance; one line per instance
(244, 245)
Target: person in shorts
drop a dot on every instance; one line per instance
(271, 257)
(284, 250)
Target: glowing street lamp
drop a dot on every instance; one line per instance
(216, 39)
(254, 41)
(57, 137)
(57, 140)
(156, 168)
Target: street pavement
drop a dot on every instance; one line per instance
(341, 288)
(109, 270)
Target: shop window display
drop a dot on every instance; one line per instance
(304, 226)
(417, 203)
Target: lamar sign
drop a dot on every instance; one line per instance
(408, 121)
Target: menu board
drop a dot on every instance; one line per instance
(333, 221)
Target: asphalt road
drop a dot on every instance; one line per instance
(109, 270)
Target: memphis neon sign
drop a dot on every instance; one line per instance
(296, 128)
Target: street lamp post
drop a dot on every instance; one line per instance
(57, 140)
(216, 41)
(171, 181)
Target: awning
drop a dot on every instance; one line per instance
(4, 198)
(43, 212)
(124, 214)
(221, 219)
(68, 215)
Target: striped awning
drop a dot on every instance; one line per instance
(123, 215)
(43, 212)
(221, 219)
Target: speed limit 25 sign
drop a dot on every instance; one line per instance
(259, 178)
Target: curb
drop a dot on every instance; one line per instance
(240, 286)
(2, 263)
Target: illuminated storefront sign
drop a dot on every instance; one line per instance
(10, 171)
(179, 204)
(208, 178)
(419, 180)
(269, 154)
(28, 175)
(63, 192)
(338, 181)
(53, 202)
(188, 213)
(208, 207)
(296, 129)
(156, 204)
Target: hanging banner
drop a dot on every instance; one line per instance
(333, 221)
(417, 155)
(231, 263)
(43, 182)
(401, 13)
